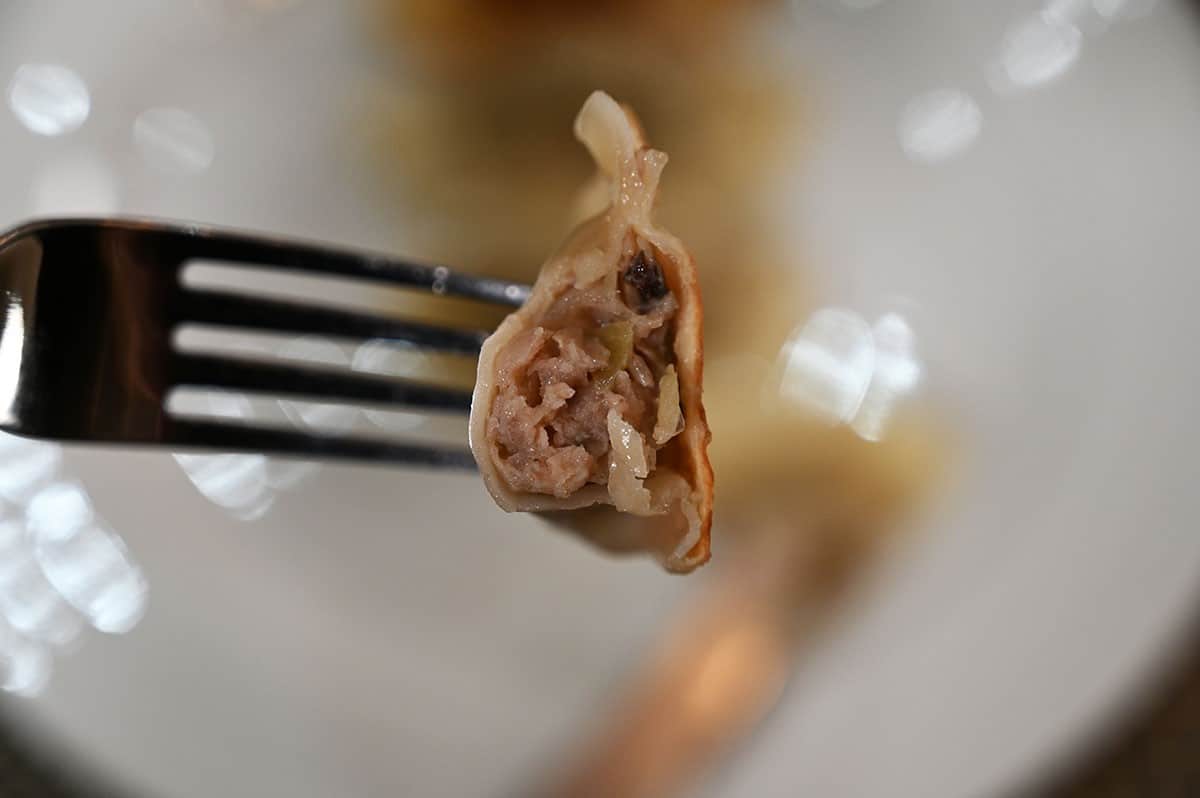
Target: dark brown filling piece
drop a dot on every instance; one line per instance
(645, 277)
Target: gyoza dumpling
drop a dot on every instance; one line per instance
(590, 394)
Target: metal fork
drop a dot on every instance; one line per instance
(89, 310)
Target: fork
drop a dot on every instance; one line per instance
(89, 309)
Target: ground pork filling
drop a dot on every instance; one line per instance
(578, 398)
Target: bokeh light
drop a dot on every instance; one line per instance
(174, 141)
(49, 99)
(939, 125)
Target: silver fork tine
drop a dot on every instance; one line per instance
(221, 309)
(205, 244)
(228, 373)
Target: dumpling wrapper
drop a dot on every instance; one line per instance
(565, 413)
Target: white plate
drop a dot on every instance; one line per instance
(1022, 189)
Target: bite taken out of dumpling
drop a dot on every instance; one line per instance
(590, 394)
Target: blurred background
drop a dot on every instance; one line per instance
(948, 263)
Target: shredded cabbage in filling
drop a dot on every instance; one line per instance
(591, 394)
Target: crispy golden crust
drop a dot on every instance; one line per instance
(614, 137)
